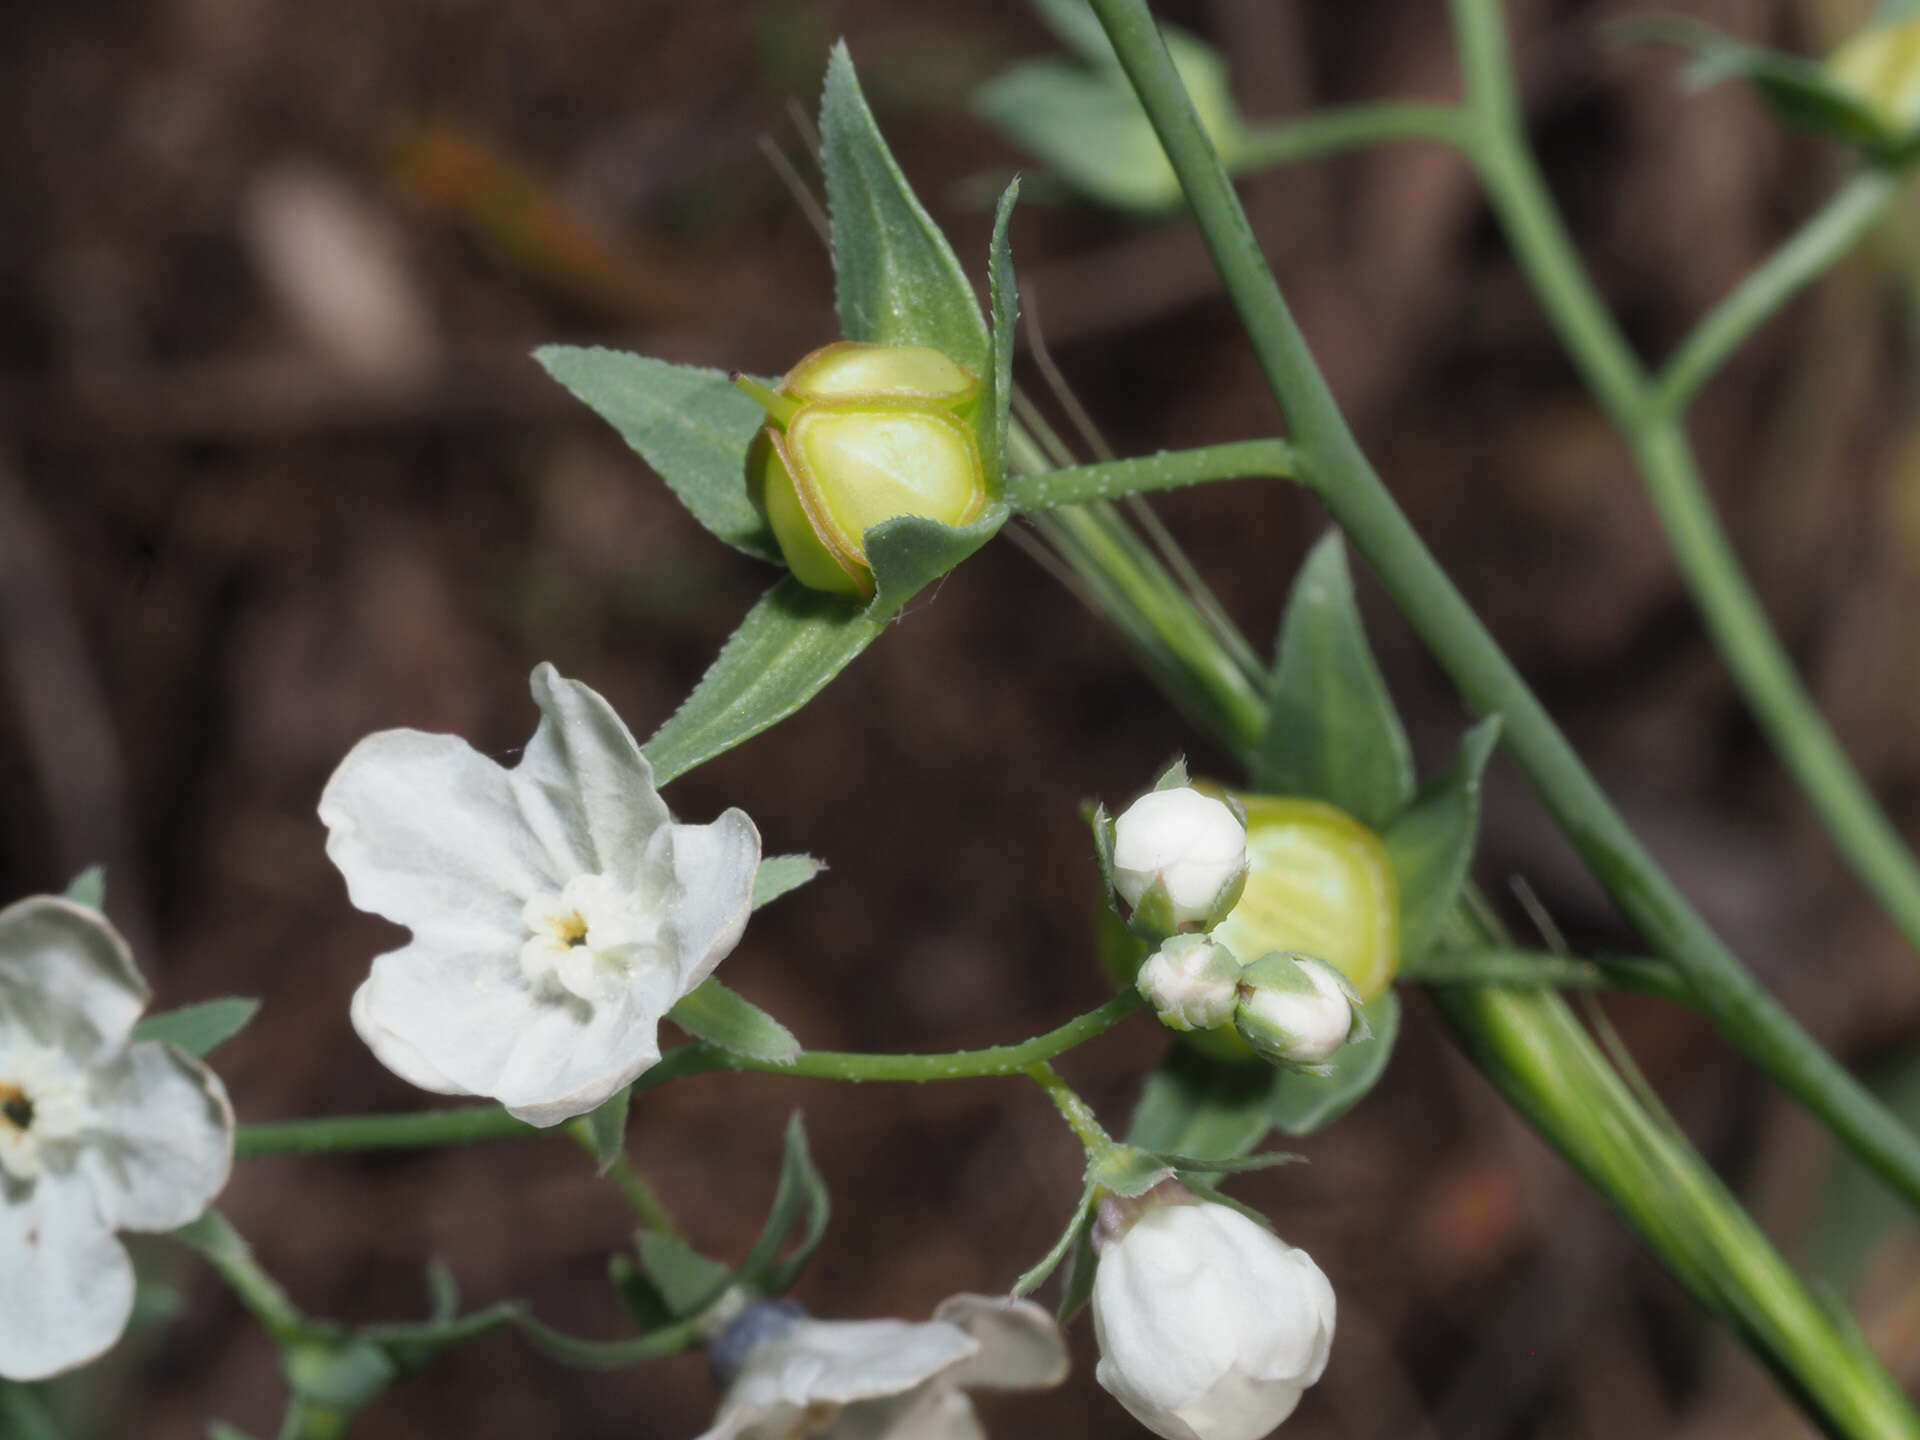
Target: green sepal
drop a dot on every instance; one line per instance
(1081, 1219)
(909, 552)
(721, 1017)
(686, 1281)
(1003, 295)
(1302, 1104)
(88, 888)
(1127, 1171)
(898, 281)
(1101, 824)
(1802, 93)
(606, 1127)
(1431, 843)
(800, 1201)
(1076, 1281)
(781, 875)
(1203, 1187)
(689, 423)
(199, 1029)
(1174, 777)
(1228, 1165)
(1332, 733)
(1203, 1109)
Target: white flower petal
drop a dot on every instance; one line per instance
(565, 1063)
(583, 785)
(933, 1411)
(713, 870)
(67, 977)
(1021, 1348)
(163, 1146)
(428, 833)
(392, 1050)
(67, 1283)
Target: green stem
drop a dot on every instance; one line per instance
(1647, 417)
(1048, 488)
(1543, 970)
(1327, 132)
(466, 1124)
(1809, 254)
(1076, 1112)
(224, 1248)
(1339, 471)
(646, 1205)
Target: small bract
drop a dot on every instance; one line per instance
(1210, 1327)
(881, 1379)
(557, 910)
(857, 435)
(1179, 859)
(96, 1135)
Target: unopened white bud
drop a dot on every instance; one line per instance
(1210, 1326)
(1191, 982)
(1179, 859)
(1298, 1011)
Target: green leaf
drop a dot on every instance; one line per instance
(800, 1201)
(199, 1029)
(606, 1127)
(1203, 1109)
(1303, 1103)
(898, 281)
(1082, 1217)
(910, 552)
(1076, 1285)
(1332, 733)
(22, 1416)
(996, 404)
(89, 888)
(715, 1014)
(688, 423)
(781, 875)
(687, 1281)
(637, 1293)
(786, 650)
(1432, 842)
(443, 1291)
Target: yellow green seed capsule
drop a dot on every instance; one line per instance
(857, 435)
(1319, 883)
(1881, 65)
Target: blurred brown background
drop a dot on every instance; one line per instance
(275, 471)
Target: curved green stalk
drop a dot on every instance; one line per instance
(1045, 489)
(1340, 473)
(1327, 132)
(465, 1124)
(1648, 418)
(1545, 970)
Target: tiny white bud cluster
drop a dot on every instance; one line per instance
(1192, 983)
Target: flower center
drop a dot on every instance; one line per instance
(16, 1107)
(43, 1103)
(581, 941)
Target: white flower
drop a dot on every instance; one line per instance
(1210, 1327)
(96, 1135)
(882, 1379)
(1298, 1011)
(1185, 846)
(1191, 983)
(557, 910)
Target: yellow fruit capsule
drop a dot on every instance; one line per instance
(1319, 883)
(1881, 65)
(857, 435)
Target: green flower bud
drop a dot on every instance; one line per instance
(1881, 65)
(1298, 1011)
(1191, 983)
(857, 435)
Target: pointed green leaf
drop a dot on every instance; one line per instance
(1332, 733)
(606, 1126)
(996, 404)
(443, 1291)
(1303, 1103)
(799, 1200)
(898, 281)
(1432, 842)
(715, 1014)
(786, 650)
(199, 1029)
(686, 1280)
(637, 1293)
(688, 423)
(1082, 1217)
(781, 875)
(89, 888)
(1076, 1285)
(1202, 1108)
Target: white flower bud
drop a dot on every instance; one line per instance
(1298, 1011)
(1210, 1327)
(1191, 983)
(1179, 859)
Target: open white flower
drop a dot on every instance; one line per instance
(881, 1379)
(1210, 1327)
(96, 1135)
(557, 910)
